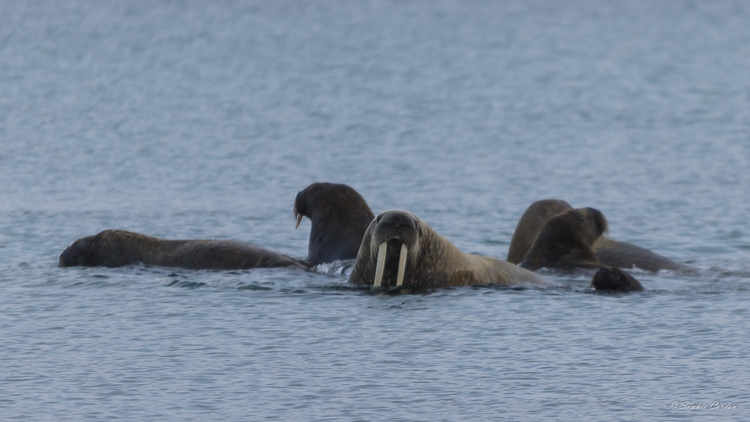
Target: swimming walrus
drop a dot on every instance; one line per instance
(339, 217)
(117, 248)
(400, 250)
(566, 241)
(609, 252)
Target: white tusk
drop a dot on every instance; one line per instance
(381, 264)
(299, 219)
(401, 266)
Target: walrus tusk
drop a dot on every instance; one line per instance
(299, 219)
(401, 266)
(380, 264)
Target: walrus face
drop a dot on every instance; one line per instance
(588, 223)
(566, 241)
(329, 199)
(394, 239)
(76, 254)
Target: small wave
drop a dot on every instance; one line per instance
(336, 267)
(185, 284)
(254, 286)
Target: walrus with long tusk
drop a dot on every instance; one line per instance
(117, 248)
(609, 252)
(400, 250)
(339, 217)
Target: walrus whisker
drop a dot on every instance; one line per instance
(401, 266)
(380, 266)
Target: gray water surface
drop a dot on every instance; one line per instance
(203, 120)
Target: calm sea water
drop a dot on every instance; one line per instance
(203, 120)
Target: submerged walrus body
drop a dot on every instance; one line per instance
(609, 252)
(339, 217)
(117, 248)
(400, 250)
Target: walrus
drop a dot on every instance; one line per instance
(609, 252)
(339, 217)
(400, 250)
(531, 222)
(566, 241)
(117, 248)
(611, 279)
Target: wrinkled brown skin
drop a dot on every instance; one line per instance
(339, 217)
(117, 248)
(565, 241)
(432, 260)
(612, 279)
(609, 252)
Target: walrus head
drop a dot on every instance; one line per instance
(396, 235)
(611, 279)
(80, 253)
(109, 248)
(531, 222)
(339, 217)
(566, 241)
(390, 251)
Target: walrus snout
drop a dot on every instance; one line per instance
(300, 209)
(600, 223)
(74, 255)
(65, 258)
(395, 224)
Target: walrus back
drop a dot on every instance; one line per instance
(118, 248)
(496, 271)
(221, 255)
(624, 255)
